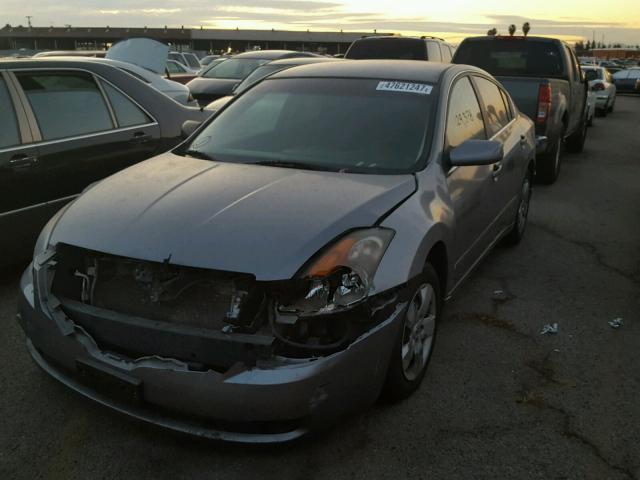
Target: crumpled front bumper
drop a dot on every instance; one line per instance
(263, 404)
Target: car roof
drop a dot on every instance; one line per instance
(488, 38)
(69, 53)
(398, 37)
(53, 62)
(304, 60)
(268, 54)
(406, 70)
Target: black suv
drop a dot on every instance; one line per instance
(400, 48)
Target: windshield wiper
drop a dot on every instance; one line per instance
(198, 154)
(292, 164)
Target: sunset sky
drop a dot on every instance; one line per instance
(617, 20)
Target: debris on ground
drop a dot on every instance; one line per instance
(616, 323)
(549, 328)
(500, 296)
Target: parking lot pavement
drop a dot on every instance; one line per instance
(499, 399)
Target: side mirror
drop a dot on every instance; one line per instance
(476, 152)
(189, 127)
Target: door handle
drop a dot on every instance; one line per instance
(22, 160)
(140, 137)
(496, 171)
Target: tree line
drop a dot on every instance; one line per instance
(589, 45)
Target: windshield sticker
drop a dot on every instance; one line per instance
(408, 87)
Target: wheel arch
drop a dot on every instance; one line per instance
(438, 259)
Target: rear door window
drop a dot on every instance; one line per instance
(433, 51)
(9, 133)
(387, 48)
(512, 56)
(66, 104)
(464, 119)
(591, 74)
(128, 114)
(496, 115)
(507, 103)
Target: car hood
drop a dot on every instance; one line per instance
(144, 52)
(218, 104)
(262, 220)
(212, 86)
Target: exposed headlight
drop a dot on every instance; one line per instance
(341, 275)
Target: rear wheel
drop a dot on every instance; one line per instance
(520, 224)
(415, 339)
(575, 142)
(548, 164)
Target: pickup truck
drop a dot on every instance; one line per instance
(546, 83)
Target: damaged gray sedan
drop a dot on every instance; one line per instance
(289, 262)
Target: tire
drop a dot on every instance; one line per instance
(601, 112)
(410, 358)
(548, 164)
(516, 233)
(575, 141)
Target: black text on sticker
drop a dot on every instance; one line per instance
(408, 87)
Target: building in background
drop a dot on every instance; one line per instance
(203, 40)
(611, 53)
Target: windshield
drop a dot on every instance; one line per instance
(592, 74)
(388, 48)
(192, 60)
(234, 68)
(355, 125)
(515, 57)
(257, 75)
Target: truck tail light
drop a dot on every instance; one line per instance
(544, 104)
(598, 86)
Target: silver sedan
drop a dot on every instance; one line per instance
(290, 261)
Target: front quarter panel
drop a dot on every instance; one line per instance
(425, 219)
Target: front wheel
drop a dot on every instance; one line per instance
(415, 339)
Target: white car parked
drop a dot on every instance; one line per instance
(601, 83)
(186, 59)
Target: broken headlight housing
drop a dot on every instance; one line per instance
(341, 275)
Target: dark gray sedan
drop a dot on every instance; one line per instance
(66, 123)
(290, 261)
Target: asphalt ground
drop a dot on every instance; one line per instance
(500, 400)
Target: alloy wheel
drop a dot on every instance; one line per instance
(523, 208)
(419, 328)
